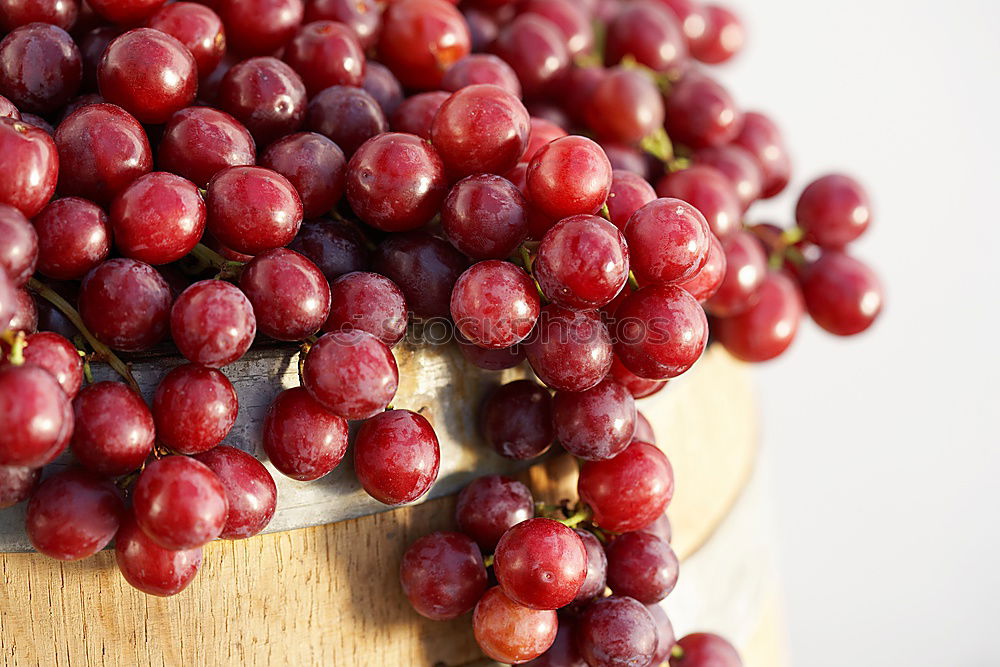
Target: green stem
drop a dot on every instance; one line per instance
(792, 235)
(605, 211)
(488, 561)
(102, 350)
(633, 282)
(658, 145)
(677, 652)
(17, 341)
(581, 514)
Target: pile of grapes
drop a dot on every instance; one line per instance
(556, 181)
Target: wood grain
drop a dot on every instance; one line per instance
(329, 594)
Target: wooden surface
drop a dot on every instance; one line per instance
(330, 593)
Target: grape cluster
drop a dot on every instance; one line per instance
(330, 173)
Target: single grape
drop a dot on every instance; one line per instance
(516, 420)
(542, 132)
(198, 28)
(382, 84)
(180, 503)
(597, 568)
(629, 192)
(833, 210)
(364, 17)
(32, 166)
(58, 356)
(637, 386)
(668, 241)
(125, 304)
(595, 424)
(114, 430)
(149, 567)
(540, 563)
(250, 491)
(615, 631)
(569, 176)
(708, 281)
(20, 249)
(212, 323)
(582, 262)
(563, 651)
(396, 456)
(535, 49)
(9, 301)
(842, 294)
(15, 13)
(442, 575)
(252, 209)
(762, 138)
(495, 304)
(290, 295)
(703, 649)
(665, 638)
(738, 165)
(642, 566)
(723, 39)
(710, 192)
(480, 68)
(489, 506)
(368, 302)
(509, 632)
(485, 216)
(258, 27)
(199, 142)
(629, 491)
(661, 528)
(194, 408)
(424, 267)
(746, 268)
(158, 218)
(415, 114)
(17, 483)
(347, 116)
(767, 329)
(301, 439)
(351, 373)
(420, 39)
(336, 247)
(73, 514)
(125, 12)
(647, 32)
(73, 237)
(692, 17)
(326, 53)
(40, 67)
(266, 95)
(700, 112)
(660, 331)
(25, 313)
(570, 350)
(626, 106)
(314, 165)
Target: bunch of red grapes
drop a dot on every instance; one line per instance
(557, 181)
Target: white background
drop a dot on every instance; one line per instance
(884, 449)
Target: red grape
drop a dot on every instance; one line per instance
(442, 575)
(326, 53)
(535, 49)
(250, 491)
(582, 262)
(336, 247)
(570, 350)
(489, 506)
(571, 19)
(665, 638)
(629, 192)
(710, 192)
(708, 281)
(738, 165)
(595, 424)
(626, 107)
(569, 176)
(420, 39)
(58, 356)
(198, 28)
(15, 13)
(703, 649)
(382, 84)
(158, 218)
(124, 12)
(661, 331)
(833, 210)
(668, 240)
(266, 95)
(301, 438)
(290, 295)
(485, 216)
(479, 68)
(723, 39)
(842, 294)
(642, 566)
(637, 386)
(424, 267)
(149, 567)
(540, 563)
(17, 484)
(650, 34)
(396, 456)
(368, 302)
(494, 304)
(762, 138)
(629, 491)
(73, 237)
(351, 373)
(312, 163)
(125, 304)
(542, 132)
(252, 209)
(40, 67)
(769, 326)
(516, 420)
(415, 114)
(114, 430)
(700, 112)
(73, 515)
(616, 631)
(32, 166)
(597, 568)
(347, 116)
(364, 17)
(37, 417)
(19, 252)
(257, 27)
(194, 407)
(212, 323)
(509, 632)
(199, 142)
(746, 268)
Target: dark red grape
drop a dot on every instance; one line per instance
(542, 132)
(364, 17)
(148, 566)
(198, 28)
(351, 373)
(253, 209)
(124, 12)
(647, 32)
(746, 268)
(58, 356)
(708, 281)
(642, 566)
(563, 652)
(383, 86)
(703, 649)
(348, 116)
(629, 192)
(250, 491)
(101, 150)
(480, 128)
(761, 137)
(396, 456)
(19, 252)
(266, 95)
(149, 74)
(483, 27)
(114, 430)
(660, 332)
(15, 13)
(769, 326)
(180, 503)
(595, 424)
(481, 68)
(290, 296)
(700, 112)
(17, 484)
(616, 631)
(40, 67)
(570, 350)
(738, 165)
(540, 563)
(709, 191)
(516, 420)
(125, 304)
(336, 247)
(489, 506)
(723, 38)
(485, 216)
(301, 438)
(597, 568)
(420, 39)
(626, 107)
(73, 515)
(395, 182)
(535, 49)
(629, 491)
(660, 526)
(692, 17)
(424, 267)
(442, 575)
(73, 237)
(194, 407)
(368, 302)
(665, 638)
(32, 166)
(212, 323)
(569, 176)
(37, 416)
(494, 304)
(842, 294)
(25, 313)
(415, 114)
(637, 386)
(199, 142)
(668, 241)
(259, 27)
(312, 163)
(833, 210)
(570, 18)
(158, 218)
(326, 53)
(582, 262)
(509, 632)
(490, 360)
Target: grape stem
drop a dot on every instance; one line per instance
(488, 561)
(103, 351)
(633, 282)
(227, 268)
(17, 342)
(677, 651)
(581, 514)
